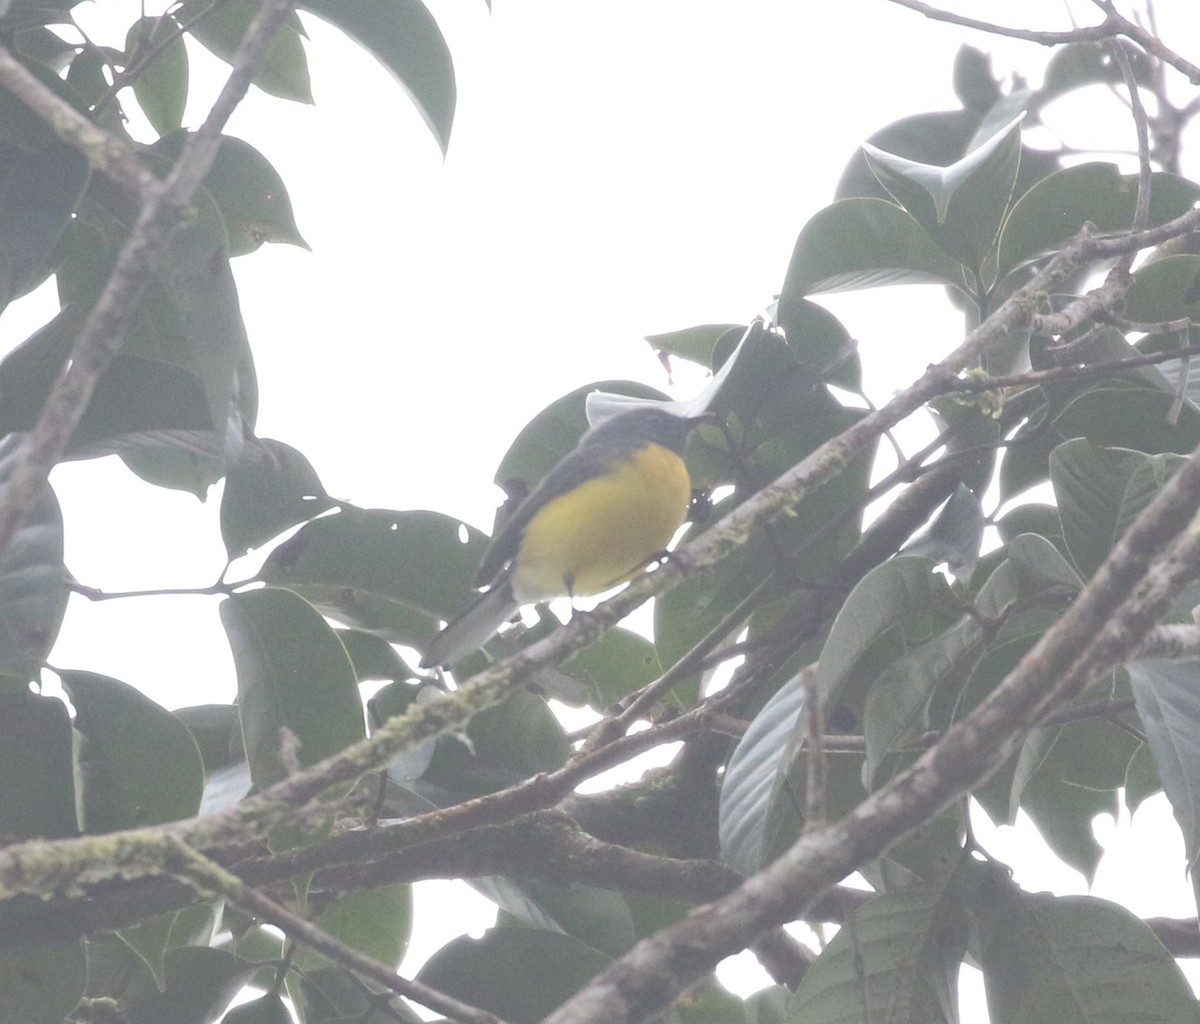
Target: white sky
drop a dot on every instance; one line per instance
(615, 170)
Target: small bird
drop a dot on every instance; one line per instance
(594, 521)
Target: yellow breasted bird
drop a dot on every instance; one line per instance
(594, 521)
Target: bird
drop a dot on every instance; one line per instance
(607, 509)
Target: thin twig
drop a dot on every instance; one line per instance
(211, 880)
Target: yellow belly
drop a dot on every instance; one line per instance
(604, 531)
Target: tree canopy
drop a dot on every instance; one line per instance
(1010, 629)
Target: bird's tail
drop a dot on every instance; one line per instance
(472, 628)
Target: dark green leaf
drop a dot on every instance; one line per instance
(1049, 959)
(249, 192)
(613, 667)
(520, 974)
(296, 686)
(955, 536)
(404, 37)
(1167, 289)
(375, 921)
(695, 344)
(271, 487)
(754, 777)
(1064, 778)
(553, 432)
(896, 959)
(1100, 492)
(38, 193)
(863, 243)
(820, 343)
(505, 743)
(161, 85)
(599, 918)
(960, 206)
(217, 732)
(200, 984)
(1168, 701)
(37, 773)
(1088, 63)
(138, 764)
(900, 595)
(975, 84)
(374, 658)
(1057, 207)
(33, 580)
(41, 982)
(394, 574)
(939, 137)
(220, 28)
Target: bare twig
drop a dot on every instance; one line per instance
(1113, 25)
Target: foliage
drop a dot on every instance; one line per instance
(853, 655)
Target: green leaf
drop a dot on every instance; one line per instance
(553, 432)
(599, 918)
(960, 206)
(1064, 778)
(754, 776)
(37, 772)
(899, 598)
(293, 678)
(1100, 492)
(161, 86)
(33, 579)
(504, 744)
(404, 37)
(148, 939)
(1130, 417)
(394, 574)
(249, 192)
(896, 959)
(335, 996)
(138, 764)
(188, 316)
(38, 192)
(955, 536)
(217, 732)
(375, 921)
(270, 488)
(1049, 959)
(1167, 289)
(1056, 208)
(1088, 63)
(134, 395)
(864, 243)
(374, 658)
(820, 343)
(519, 974)
(201, 982)
(183, 460)
(220, 28)
(1168, 702)
(41, 982)
(695, 344)
(618, 664)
